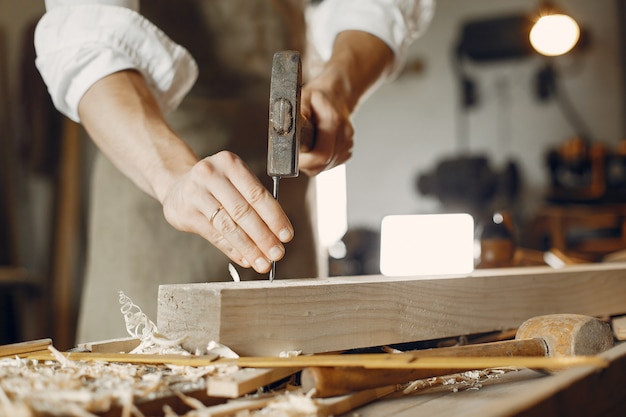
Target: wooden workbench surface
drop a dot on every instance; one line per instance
(574, 392)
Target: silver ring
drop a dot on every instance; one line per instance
(217, 210)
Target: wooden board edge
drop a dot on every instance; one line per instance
(245, 381)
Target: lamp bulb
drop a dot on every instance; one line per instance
(554, 35)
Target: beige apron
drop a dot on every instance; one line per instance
(131, 246)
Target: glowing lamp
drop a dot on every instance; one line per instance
(554, 34)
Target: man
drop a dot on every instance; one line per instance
(201, 168)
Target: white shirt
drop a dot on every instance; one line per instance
(79, 42)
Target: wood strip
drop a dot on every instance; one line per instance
(258, 318)
(245, 381)
(22, 348)
(182, 360)
(403, 361)
(121, 345)
(366, 361)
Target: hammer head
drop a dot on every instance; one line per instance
(284, 130)
(568, 334)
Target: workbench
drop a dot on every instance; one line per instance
(575, 392)
(424, 310)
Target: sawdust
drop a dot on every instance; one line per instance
(64, 387)
(72, 388)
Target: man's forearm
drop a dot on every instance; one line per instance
(359, 61)
(122, 117)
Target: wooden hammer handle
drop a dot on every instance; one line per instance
(330, 382)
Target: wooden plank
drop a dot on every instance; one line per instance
(245, 381)
(259, 318)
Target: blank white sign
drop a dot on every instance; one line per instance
(429, 244)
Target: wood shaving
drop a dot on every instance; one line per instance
(290, 354)
(222, 350)
(139, 326)
(470, 380)
(233, 273)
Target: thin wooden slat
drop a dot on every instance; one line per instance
(259, 318)
(22, 348)
(245, 381)
(121, 345)
(403, 361)
(366, 361)
(182, 360)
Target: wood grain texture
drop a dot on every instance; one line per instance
(258, 318)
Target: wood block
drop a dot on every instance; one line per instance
(259, 318)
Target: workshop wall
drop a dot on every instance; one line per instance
(409, 124)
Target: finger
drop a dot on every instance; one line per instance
(253, 206)
(210, 233)
(244, 227)
(234, 236)
(249, 212)
(334, 140)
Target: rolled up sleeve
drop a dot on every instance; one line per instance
(395, 22)
(78, 43)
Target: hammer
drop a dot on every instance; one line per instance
(550, 335)
(289, 132)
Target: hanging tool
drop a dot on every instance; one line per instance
(289, 132)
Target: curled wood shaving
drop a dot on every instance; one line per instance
(221, 350)
(139, 326)
(233, 273)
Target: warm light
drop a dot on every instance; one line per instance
(427, 245)
(554, 35)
